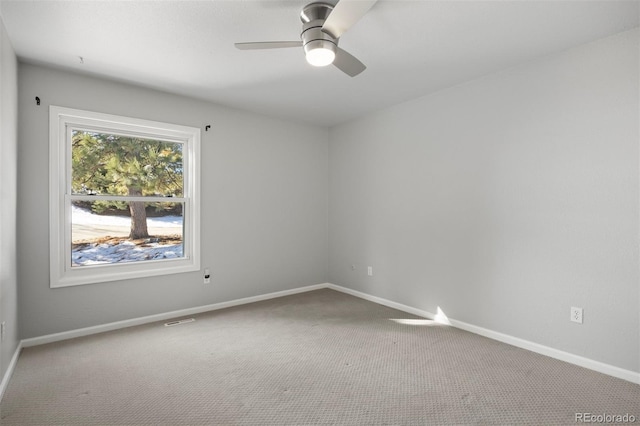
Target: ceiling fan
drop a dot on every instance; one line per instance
(322, 26)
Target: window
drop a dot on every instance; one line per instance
(123, 197)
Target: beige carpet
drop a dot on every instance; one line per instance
(317, 358)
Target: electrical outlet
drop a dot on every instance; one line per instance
(2, 329)
(370, 271)
(353, 267)
(207, 276)
(576, 315)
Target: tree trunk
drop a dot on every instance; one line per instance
(138, 216)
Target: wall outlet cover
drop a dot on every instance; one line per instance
(576, 315)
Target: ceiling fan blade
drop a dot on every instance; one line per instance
(267, 45)
(348, 63)
(344, 15)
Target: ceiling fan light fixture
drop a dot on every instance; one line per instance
(320, 53)
(323, 22)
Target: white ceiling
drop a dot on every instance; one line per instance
(411, 48)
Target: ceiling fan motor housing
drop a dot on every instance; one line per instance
(313, 16)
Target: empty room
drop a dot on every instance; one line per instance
(340, 212)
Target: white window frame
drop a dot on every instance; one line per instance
(61, 121)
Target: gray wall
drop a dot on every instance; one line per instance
(503, 201)
(8, 195)
(264, 205)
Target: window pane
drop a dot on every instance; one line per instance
(111, 164)
(101, 232)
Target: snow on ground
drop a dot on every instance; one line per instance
(124, 251)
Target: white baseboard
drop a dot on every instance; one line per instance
(598, 366)
(56, 337)
(4, 384)
(381, 301)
